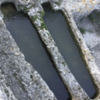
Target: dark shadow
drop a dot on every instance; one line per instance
(33, 48)
(63, 36)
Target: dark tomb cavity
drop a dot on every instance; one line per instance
(62, 35)
(33, 48)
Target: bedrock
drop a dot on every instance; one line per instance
(18, 79)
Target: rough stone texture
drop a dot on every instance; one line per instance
(5, 91)
(23, 80)
(91, 65)
(21, 75)
(80, 8)
(91, 35)
(70, 82)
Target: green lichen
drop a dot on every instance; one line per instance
(43, 26)
(35, 17)
(19, 7)
(63, 63)
(91, 18)
(25, 9)
(82, 30)
(42, 14)
(58, 3)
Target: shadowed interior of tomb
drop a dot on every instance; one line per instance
(34, 50)
(58, 28)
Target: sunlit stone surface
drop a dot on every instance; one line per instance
(12, 57)
(30, 44)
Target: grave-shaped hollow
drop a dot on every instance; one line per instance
(63, 36)
(33, 48)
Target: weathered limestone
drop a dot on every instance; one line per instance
(24, 82)
(90, 27)
(95, 74)
(73, 86)
(5, 91)
(80, 8)
(91, 65)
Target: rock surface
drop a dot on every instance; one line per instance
(90, 30)
(23, 81)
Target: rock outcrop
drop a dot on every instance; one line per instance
(20, 80)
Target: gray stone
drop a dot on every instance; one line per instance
(24, 82)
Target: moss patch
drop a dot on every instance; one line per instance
(42, 14)
(34, 17)
(82, 30)
(91, 18)
(43, 26)
(58, 3)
